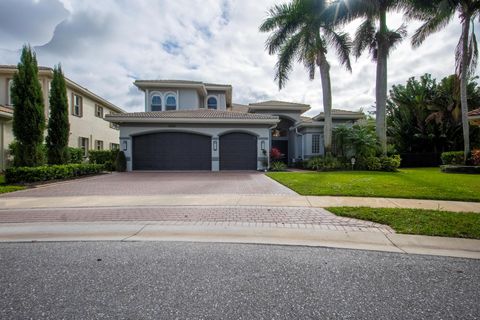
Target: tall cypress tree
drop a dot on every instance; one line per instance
(28, 111)
(58, 126)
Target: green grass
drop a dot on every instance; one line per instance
(418, 183)
(4, 188)
(418, 221)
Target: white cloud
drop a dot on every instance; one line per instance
(106, 45)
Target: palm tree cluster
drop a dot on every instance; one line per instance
(304, 30)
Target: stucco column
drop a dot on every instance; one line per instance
(263, 145)
(215, 153)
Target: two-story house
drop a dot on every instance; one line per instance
(88, 130)
(191, 125)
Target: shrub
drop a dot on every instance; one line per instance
(452, 157)
(121, 162)
(460, 169)
(390, 163)
(278, 166)
(105, 157)
(326, 163)
(372, 164)
(476, 157)
(15, 151)
(45, 173)
(275, 154)
(75, 155)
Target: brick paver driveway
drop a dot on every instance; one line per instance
(161, 183)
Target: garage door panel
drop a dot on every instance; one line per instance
(172, 151)
(238, 151)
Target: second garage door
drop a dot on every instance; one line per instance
(238, 151)
(172, 151)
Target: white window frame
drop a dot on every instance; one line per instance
(98, 145)
(9, 92)
(156, 94)
(74, 105)
(85, 147)
(316, 144)
(216, 99)
(166, 96)
(97, 109)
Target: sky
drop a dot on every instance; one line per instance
(106, 45)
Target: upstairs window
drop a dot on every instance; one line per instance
(212, 103)
(114, 146)
(171, 103)
(99, 111)
(77, 105)
(156, 103)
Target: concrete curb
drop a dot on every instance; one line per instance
(154, 231)
(12, 202)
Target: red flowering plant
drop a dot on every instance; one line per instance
(275, 154)
(476, 157)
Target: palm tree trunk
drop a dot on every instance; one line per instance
(463, 87)
(381, 83)
(327, 100)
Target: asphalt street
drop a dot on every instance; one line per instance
(182, 280)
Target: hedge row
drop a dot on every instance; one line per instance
(45, 173)
(106, 157)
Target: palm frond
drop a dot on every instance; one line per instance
(286, 58)
(434, 21)
(364, 38)
(472, 52)
(342, 44)
(395, 37)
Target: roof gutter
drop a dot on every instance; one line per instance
(191, 120)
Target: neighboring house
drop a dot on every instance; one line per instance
(190, 125)
(88, 130)
(474, 117)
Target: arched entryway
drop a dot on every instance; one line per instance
(172, 151)
(280, 138)
(238, 151)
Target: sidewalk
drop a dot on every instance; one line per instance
(232, 200)
(259, 233)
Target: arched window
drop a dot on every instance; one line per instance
(212, 103)
(156, 103)
(171, 102)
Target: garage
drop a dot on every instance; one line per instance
(238, 151)
(172, 151)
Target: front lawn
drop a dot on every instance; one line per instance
(418, 183)
(418, 221)
(4, 188)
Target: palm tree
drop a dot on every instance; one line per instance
(300, 32)
(378, 40)
(436, 14)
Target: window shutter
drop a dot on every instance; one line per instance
(81, 106)
(73, 103)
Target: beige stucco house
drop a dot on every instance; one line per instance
(88, 130)
(192, 125)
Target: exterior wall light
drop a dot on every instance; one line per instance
(215, 145)
(262, 145)
(125, 146)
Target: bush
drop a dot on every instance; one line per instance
(15, 152)
(372, 164)
(452, 157)
(45, 173)
(326, 163)
(105, 157)
(476, 157)
(121, 162)
(460, 169)
(278, 166)
(390, 163)
(75, 155)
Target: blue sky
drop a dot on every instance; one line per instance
(106, 45)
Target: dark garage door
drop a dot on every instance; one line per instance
(238, 151)
(172, 151)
